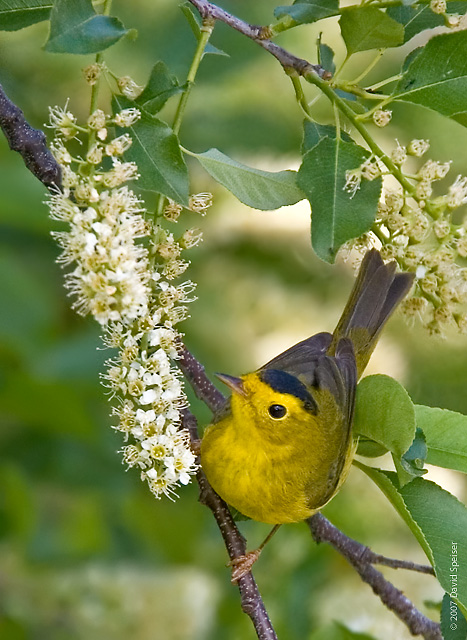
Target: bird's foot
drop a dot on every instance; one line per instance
(242, 565)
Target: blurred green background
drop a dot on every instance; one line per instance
(85, 551)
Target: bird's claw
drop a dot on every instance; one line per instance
(242, 565)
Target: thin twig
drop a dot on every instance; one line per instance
(252, 603)
(196, 376)
(376, 558)
(30, 143)
(418, 624)
(261, 36)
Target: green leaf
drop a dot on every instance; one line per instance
(410, 58)
(76, 28)
(17, 14)
(364, 28)
(265, 190)
(411, 464)
(303, 12)
(195, 22)
(160, 87)
(443, 520)
(156, 151)
(438, 521)
(453, 623)
(337, 216)
(385, 414)
(446, 436)
(416, 18)
(387, 482)
(326, 57)
(314, 132)
(369, 448)
(437, 77)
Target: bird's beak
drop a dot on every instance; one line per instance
(236, 384)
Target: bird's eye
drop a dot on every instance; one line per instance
(277, 411)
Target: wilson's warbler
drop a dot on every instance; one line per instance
(282, 445)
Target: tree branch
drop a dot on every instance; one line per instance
(261, 36)
(195, 374)
(30, 143)
(360, 557)
(252, 603)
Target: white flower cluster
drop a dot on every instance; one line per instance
(151, 396)
(123, 272)
(418, 231)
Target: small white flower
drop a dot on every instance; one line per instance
(127, 117)
(148, 397)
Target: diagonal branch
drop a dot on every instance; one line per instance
(357, 555)
(261, 36)
(29, 142)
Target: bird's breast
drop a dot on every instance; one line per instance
(264, 481)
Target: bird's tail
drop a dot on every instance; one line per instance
(377, 291)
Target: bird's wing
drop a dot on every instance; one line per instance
(302, 357)
(336, 375)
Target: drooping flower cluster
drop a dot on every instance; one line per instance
(418, 229)
(123, 272)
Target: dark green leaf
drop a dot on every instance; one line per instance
(265, 190)
(416, 18)
(304, 12)
(453, 623)
(326, 57)
(410, 58)
(156, 151)
(387, 481)
(76, 28)
(337, 216)
(17, 14)
(439, 522)
(446, 436)
(366, 28)
(313, 132)
(215, 51)
(437, 77)
(160, 87)
(369, 448)
(443, 520)
(461, 118)
(410, 465)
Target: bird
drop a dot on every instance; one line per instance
(281, 446)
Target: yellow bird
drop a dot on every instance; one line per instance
(282, 445)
